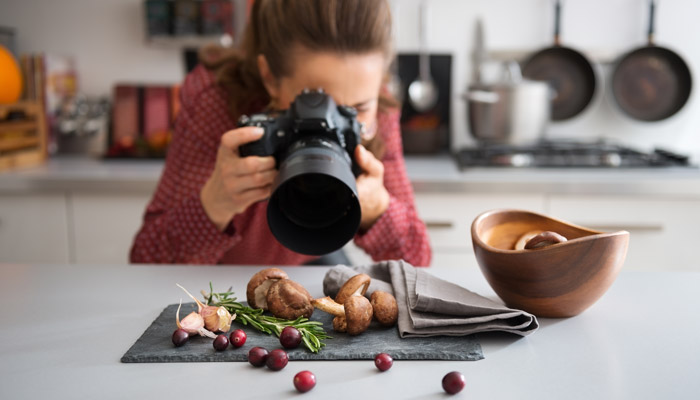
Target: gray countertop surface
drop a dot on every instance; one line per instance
(65, 327)
(427, 173)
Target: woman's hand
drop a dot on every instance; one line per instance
(236, 182)
(374, 198)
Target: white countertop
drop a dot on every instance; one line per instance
(65, 327)
(427, 173)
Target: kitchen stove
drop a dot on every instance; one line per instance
(568, 154)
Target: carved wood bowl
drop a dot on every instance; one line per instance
(560, 280)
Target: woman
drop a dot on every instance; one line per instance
(210, 205)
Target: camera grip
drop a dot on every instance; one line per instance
(255, 148)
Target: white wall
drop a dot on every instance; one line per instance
(105, 36)
(107, 39)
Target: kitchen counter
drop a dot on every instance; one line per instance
(427, 173)
(65, 327)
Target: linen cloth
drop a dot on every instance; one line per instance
(430, 306)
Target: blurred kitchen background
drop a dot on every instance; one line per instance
(107, 40)
(120, 59)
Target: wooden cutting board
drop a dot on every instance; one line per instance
(155, 344)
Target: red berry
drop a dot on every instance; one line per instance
(453, 382)
(221, 343)
(277, 359)
(290, 337)
(180, 337)
(383, 361)
(304, 381)
(257, 356)
(238, 338)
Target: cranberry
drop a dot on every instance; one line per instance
(180, 337)
(257, 356)
(304, 381)
(383, 361)
(290, 337)
(277, 359)
(221, 343)
(453, 382)
(238, 338)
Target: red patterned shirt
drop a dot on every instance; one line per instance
(176, 228)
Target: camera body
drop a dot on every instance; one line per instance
(313, 116)
(314, 207)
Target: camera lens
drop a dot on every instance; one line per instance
(314, 208)
(315, 201)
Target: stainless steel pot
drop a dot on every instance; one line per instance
(513, 111)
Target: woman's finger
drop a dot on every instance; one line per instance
(368, 162)
(251, 196)
(254, 181)
(233, 139)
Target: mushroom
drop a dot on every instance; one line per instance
(385, 308)
(520, 244)
(259, 284)
(289, 300)
(544, 239)
(357, 285)
(352, 317)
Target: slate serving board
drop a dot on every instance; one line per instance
(155, 345)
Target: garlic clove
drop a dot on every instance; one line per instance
(217, 319)
(192, 323)
(199, 303)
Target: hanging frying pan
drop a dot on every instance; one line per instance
(568, 72)
(651, 83)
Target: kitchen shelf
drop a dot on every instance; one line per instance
(180, 42)
(22, 141)
(16, 126)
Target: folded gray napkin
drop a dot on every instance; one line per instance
(429, 306)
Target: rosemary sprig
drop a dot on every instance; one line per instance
(312, 333)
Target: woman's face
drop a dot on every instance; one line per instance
(351, 79)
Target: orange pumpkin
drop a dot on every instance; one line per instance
(10, 77)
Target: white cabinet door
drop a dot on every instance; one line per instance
(105, 225)
(34, 228)
(663, 232)
(449, 216)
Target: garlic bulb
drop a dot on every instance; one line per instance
(216, 319)
(193, 323)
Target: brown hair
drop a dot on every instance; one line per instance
(276, 26)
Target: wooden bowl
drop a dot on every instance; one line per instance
(559, 280)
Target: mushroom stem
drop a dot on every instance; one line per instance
(328, 305)
(355, 315)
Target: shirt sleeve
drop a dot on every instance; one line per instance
(399, 233)
(176, 228)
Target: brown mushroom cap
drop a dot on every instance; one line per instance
(520, 244)
(259, 284)
(289, 300)
(358, 314)
(385, 308)
(544, 239)
(358, 284)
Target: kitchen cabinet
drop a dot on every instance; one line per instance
(34, 228)
(88, 211)
(663, 231)
(449, 216)
(105, 225)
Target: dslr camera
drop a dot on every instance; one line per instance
(314, 207)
